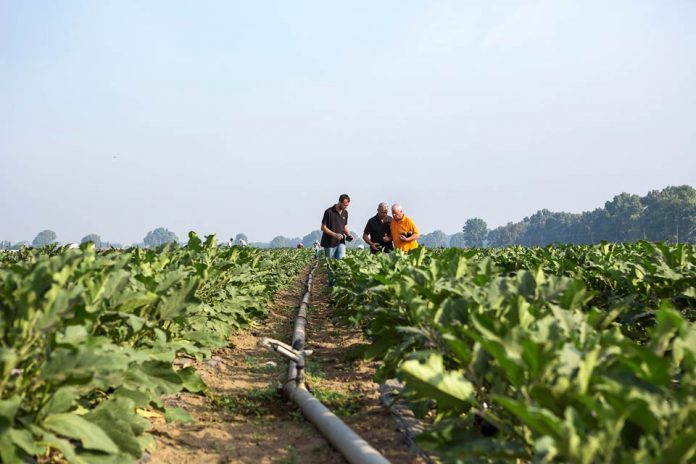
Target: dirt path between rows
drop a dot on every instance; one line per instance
(245, 419)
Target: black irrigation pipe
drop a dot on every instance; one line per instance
(343, 438)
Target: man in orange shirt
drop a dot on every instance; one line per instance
(403, 230)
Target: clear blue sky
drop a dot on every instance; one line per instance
(117, 117)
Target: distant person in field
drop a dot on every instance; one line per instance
(334, 227)
(377, 233)
(316, 248)
(230, 242)
(403, 230)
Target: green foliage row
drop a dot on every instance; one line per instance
(89, 337)
(576, 354)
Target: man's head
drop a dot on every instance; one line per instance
(382, 210)
(343, 201)
(397, 212)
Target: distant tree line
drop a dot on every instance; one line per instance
(307, 241)
(154, 238)
(661, 215)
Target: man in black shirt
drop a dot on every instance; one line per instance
(377, 232)
(334, 226)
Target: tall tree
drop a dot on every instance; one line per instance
(624, 213)
(670, 214)
(159, 237)
(436, 239)
(535, 233)
(600, 226)
(457, 240)
(507, 235)
(475, 232)
(309, 239)
(94, 238)
(280, 242)
(45, 237)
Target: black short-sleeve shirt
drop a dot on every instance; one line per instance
(336, 222)
(376, 230)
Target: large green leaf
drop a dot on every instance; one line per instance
(23, 439)
(139, 398)
(540, 420)
(73, 335)
(431, 379)
(510, 361)
(60, 444)
(191, 380)
(175, 304)
(103, 366)
(8, 410)
(155, 376)
(61, 400)
(10, 452)
(118, 419)
(130, 300)
(73, 426)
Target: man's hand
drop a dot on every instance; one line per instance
(374, 246)
(339, 236)
(386, 238)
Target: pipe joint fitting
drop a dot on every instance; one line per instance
(296, 356)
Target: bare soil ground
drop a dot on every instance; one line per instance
(245, 419)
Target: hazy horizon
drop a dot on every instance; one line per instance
(117, 118)
(183, 236)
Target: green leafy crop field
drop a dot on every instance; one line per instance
(576, 354)
(88, 338)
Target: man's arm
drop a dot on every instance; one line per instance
(330, 232)
(373, 245)
(387, 237)
(416, 232)
(414, 236)
(367, 237)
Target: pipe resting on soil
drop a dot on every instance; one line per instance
(343, 438)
